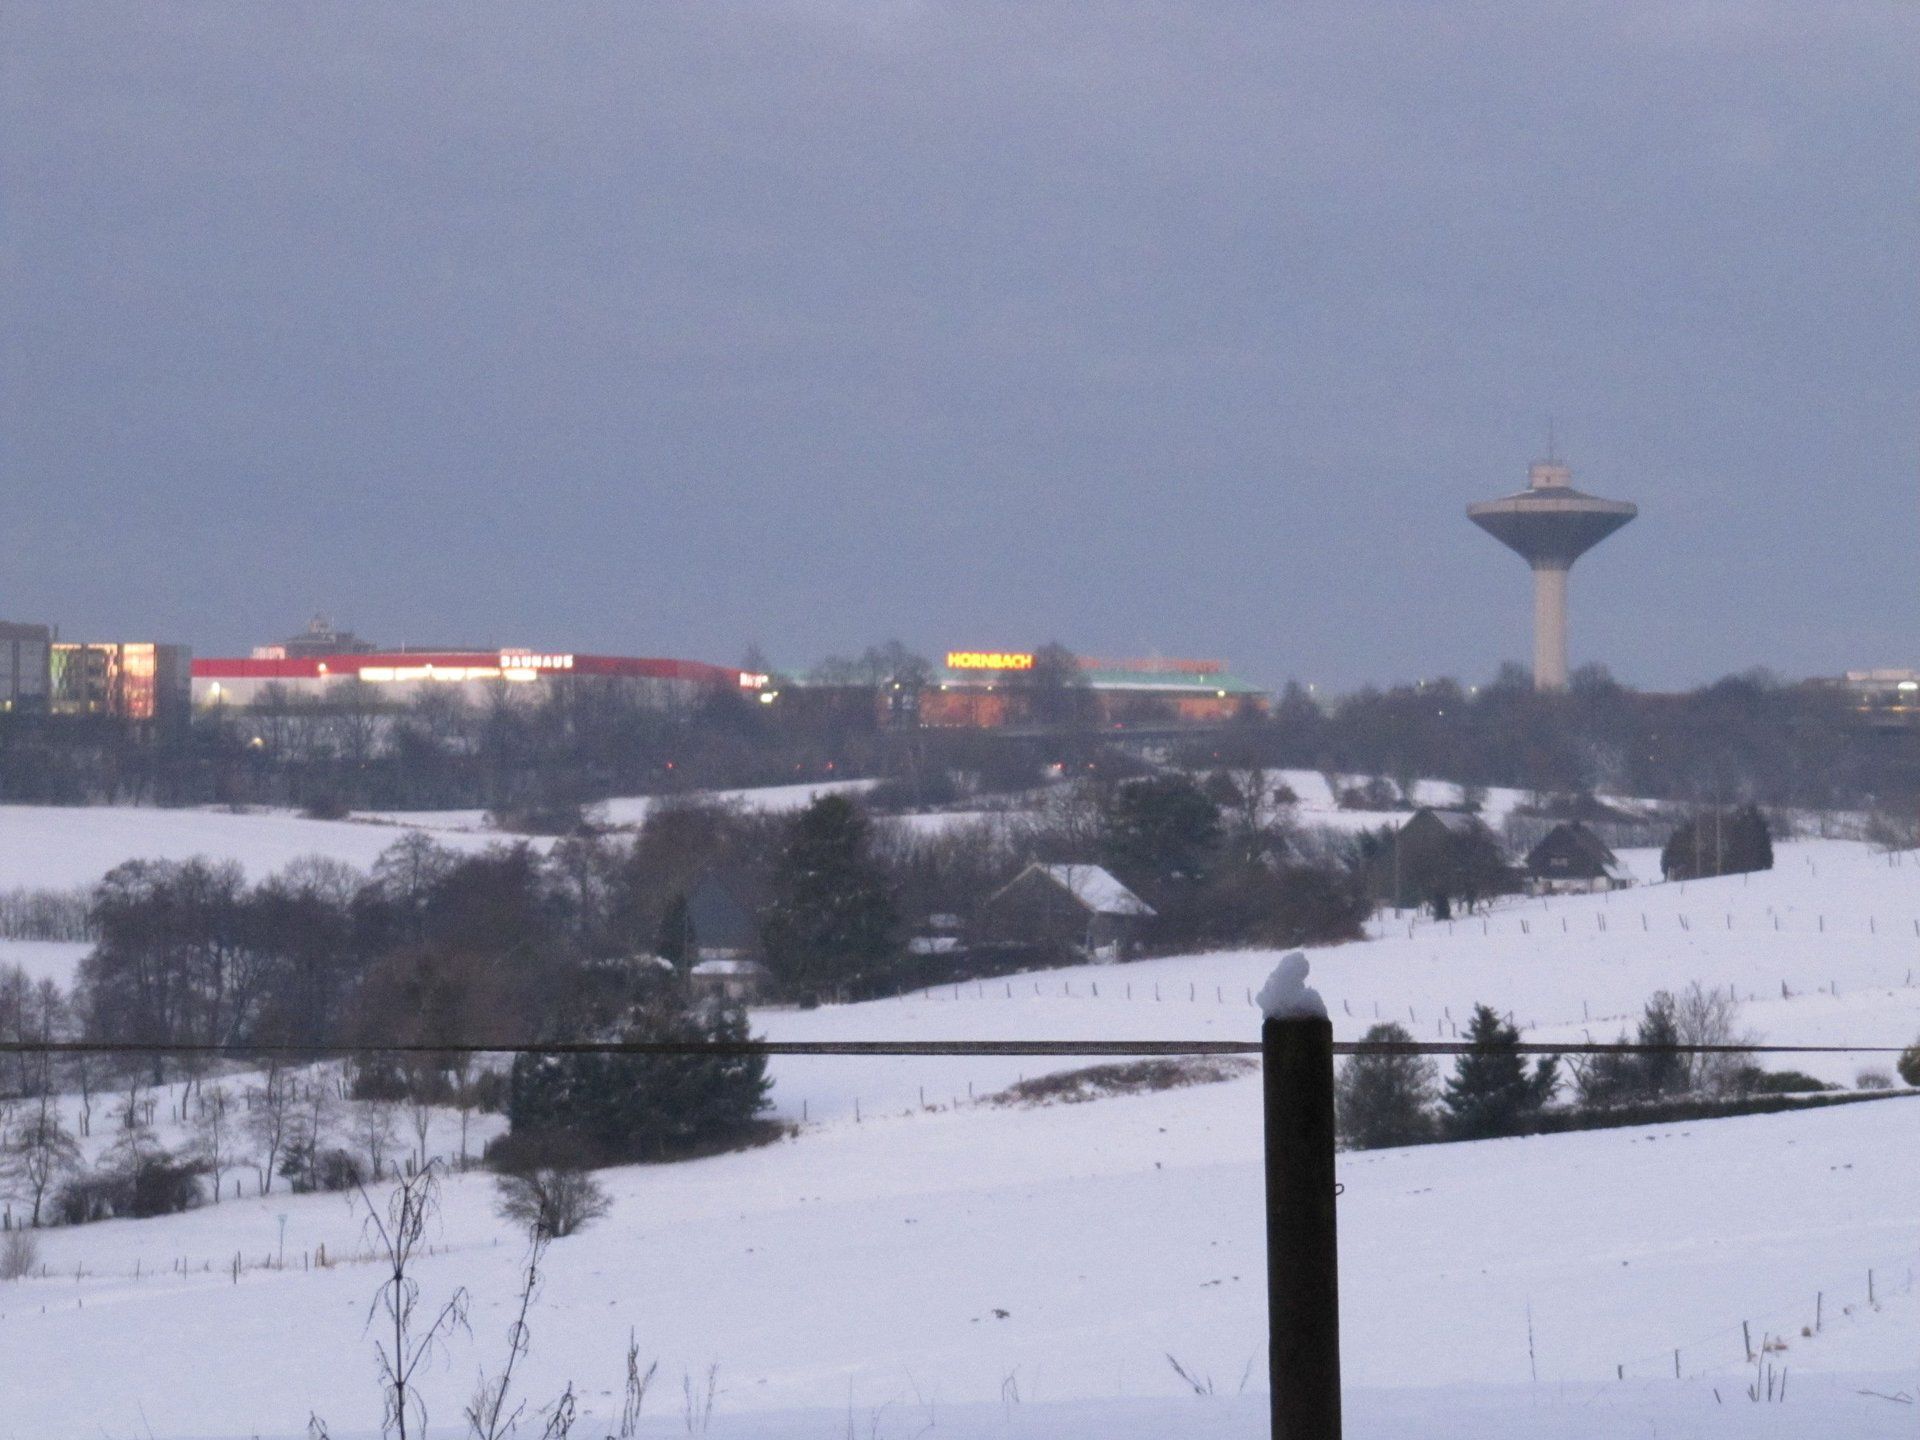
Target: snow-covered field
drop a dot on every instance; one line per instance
(946, 1267)
(870, 1265)
(59, 847)
(63, 847)
(54, 960)
(627, 811)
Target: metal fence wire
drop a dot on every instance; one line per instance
(897, 1048)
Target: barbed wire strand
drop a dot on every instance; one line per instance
(895, 1048)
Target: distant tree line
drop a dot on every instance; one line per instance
(537, 758)
(1389, 1098)
(1746, 738)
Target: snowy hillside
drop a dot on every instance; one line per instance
(939, 1254)
(58, 847)
(61, 847)
(934, 1258)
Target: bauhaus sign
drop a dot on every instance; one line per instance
(525, 660)
(989, 660)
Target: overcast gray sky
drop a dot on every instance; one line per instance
(1188, 328)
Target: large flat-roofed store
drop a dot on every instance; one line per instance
(397, 675)
(990, 688)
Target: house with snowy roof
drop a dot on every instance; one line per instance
(1081, 908)
(1571, 859)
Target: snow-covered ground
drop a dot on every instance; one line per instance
(54, 960)
(933, 1259)
(628, 811)
(62, 847)
(929, 1258)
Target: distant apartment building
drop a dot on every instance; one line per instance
(125, 680)
(136, 681)
(25, 674)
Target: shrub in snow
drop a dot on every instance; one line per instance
(1873, 1080)
(1752, 1080)
(130, 1185)
(19, 1253)
(1909, 1066)
(1382, 1100)
(1098, 1082)
(329, 1170)
(553, 1196)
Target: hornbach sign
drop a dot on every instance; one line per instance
(988, 660)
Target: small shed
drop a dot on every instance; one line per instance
(1571, 859)
(738, 982)
(1083, 907)
(940, 935)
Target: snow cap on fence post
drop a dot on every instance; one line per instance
(1287, 996)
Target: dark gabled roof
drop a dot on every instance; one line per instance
(1572, 840)
(721, 919)
(1455, 822)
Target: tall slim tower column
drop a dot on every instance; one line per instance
(1550, 627)
(1551, 525)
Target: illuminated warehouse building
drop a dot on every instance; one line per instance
(397, 676)
(324, 663)
(993, 688)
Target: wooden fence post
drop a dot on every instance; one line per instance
(1303, 1267)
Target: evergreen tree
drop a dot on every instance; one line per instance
(1660, 1074)
(1628, 1079)
(621, 1108)
(1382, 1100)
(832, 924)
(1491, 1091)
(1161, 830)
(1749, 842)
(677, 943)
(1604, 1080)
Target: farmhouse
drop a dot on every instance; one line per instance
(1570, 858)
(1080, 907)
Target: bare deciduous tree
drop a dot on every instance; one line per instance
(1711, 1017)
(270, 1120)
(375, 1130)
(35, 1152)
(214, 1133)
